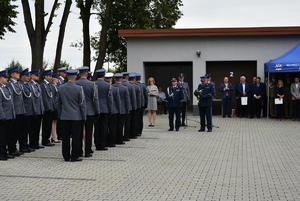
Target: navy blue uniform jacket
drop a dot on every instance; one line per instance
(207, 95)
(175, 96)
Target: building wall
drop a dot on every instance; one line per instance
(213, 48)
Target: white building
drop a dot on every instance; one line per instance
(232, 52)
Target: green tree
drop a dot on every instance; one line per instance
(13, 64)
(7, 13)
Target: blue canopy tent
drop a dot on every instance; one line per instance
(287, 63)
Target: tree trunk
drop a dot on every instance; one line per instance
(61, 35)
(103, 37)
(85, 14)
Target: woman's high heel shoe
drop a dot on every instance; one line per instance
(53, 141)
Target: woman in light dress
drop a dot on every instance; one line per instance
(152, 92)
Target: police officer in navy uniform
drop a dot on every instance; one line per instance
(71, 103)
(92, 107)
(186, 92)
(175, 98)
(49, 106)
(34, 132)
(7, 114)
(62, 75)
(105, 102)
(124, 109)
(144, 102)
(116, 107)
(17, 94)
(30, 109)
(132, 97)
(134, 118)
(204, 94)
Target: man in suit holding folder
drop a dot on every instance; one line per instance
(243, 89)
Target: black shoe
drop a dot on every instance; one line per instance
(251, 117)
(31, 150)
(9, 156)
(201, 130)
(2, 158)
(53, 141)
(111, 145)
(223, 116)
(76, 160)
(139, 134)
(120, 143)
(170, 129)
(88, 155)
(183, 124)
(25, 150)
(133, 137)
(229, 116)
(126, 140)
(209, 130)
(49, 144)
(91, 151)
(102, 149)
(177, 129)
(16, 153)
(40, 147)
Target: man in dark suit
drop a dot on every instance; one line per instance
(105, 100)
(205, 94)
(71, 102)
(92, 107)
(48, 102)
(19, 107)
(226, 88)
(243, 89)
(258, 91)
(34, 133)
(30, 109)
(124, 109)
(7, 114)
(175, 98)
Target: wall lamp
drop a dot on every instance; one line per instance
(198, 53)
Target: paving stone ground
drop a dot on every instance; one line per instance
(242, 159)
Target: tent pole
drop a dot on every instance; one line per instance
(268, 101)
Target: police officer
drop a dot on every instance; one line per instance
(48, 102)
(204, 94)
(17, 97)
(34, 132)
(134, 118)
(175, 98)
(7, 114)
(30, 109)
(144, 101)
(92, 107)
(124, 109)
(62, 75)
(105, 100)
(71, 103)
(116, 107)
(186, 92)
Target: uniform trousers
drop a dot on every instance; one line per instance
(272, 107)
(34, 132)
(74, 129)
(59, 129)
(127, 126)
(101, 128)
(183, 112)
(3, 141)
(89, 125)
(296, 104)
(205, 112)
(176, 111)
(15, 133)
(226, 106)
(133, 124)
(47, 126)
(112, 129)
(23, 140)
(288, 107)
(141, 122)
(120, 128)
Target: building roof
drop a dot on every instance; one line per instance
(248, 31)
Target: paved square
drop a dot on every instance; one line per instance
(243, 159)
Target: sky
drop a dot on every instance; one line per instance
(196, 14)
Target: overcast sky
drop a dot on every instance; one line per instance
(197, 14)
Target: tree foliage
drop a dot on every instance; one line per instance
(15, 63)
(7, 13)
(134, 14)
